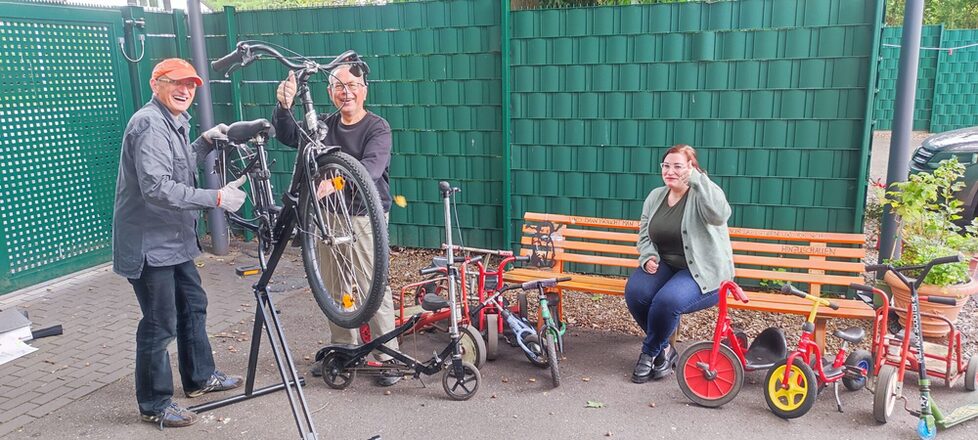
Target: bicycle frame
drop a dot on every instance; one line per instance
(809, 349)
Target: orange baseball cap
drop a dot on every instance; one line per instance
(176, 69)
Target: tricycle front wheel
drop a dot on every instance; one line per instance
(795, 396)
(716, 388)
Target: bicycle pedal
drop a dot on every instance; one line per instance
(244, 271)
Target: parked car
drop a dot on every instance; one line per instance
(963, 144)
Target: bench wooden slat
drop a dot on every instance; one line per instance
(796, 277)
(774, 248)
(624, 237)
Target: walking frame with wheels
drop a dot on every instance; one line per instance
(711, 373)
(323, 222)
(792, 384)
(889, 388)
(461, 379)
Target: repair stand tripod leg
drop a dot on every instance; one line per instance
(265, 313)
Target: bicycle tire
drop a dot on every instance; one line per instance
(259, 195)
(353, 200)
(711, 391)
(553, 360)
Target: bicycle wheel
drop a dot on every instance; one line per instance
(239, 160)
(799, 397)
(344, 241)
(886, 394)
(551, 344)
(862, 359)
(704, 390)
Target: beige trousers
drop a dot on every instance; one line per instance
(362, 261)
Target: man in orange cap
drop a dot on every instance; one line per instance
(154, 243)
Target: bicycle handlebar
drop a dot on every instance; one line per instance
(788, 289)
(942, 300)
(246, 52)
(924, 268)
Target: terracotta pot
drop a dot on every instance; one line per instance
(931, 327)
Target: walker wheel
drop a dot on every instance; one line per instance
(334, 374)
(884, 399)
(798, 397)
(461, 386)
(699, 388)
(472, 346)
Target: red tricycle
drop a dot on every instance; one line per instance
(894, 354)
(711, 373)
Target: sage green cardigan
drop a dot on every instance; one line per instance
(706, 240)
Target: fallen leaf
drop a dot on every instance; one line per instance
(594, 404)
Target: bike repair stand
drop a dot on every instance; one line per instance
(265, 313)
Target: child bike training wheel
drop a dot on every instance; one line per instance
(710, 389)
(472, 346)
(461, 386)
(539, 357)
(344, 240)
(861, 359)
(798, 397)
(887, 391)
(970, 381)
(551, 345)
(492, 336)
(334, 374)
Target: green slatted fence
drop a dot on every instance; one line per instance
(956, 85)
(63, 111)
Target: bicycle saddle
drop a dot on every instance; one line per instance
(243, 131)
(852, 334)
(433, 302)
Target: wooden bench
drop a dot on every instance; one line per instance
(809, 260)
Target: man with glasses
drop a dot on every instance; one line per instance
(154, 243)
(367, 137)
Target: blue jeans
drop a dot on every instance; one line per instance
(174, 305)
(656, 301)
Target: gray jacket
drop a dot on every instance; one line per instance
(706, 240)
(156, 195)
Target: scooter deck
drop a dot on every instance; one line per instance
(959, 415)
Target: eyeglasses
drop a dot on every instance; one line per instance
(673, 166)
(351, 87)
(188, 83)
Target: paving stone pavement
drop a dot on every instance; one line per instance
(99, 314)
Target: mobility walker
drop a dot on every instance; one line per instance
(461, 379)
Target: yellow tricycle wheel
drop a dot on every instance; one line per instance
(795, 399)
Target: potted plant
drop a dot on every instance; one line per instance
(928, 210)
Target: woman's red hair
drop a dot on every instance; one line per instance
(687, 151)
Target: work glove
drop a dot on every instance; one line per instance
(286, 91)
(230, 198)
(217, 131)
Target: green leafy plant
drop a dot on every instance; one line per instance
(928, 210)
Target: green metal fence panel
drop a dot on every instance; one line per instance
(956, 86)
(435, 69)
(773, 94)
(926, 74)
(63, 109)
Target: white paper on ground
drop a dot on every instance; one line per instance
(11, 347)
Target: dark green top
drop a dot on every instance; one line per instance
(665, 230)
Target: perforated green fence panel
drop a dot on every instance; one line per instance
(956, 87)
(773, 94)
(926, 74)
(63, 108)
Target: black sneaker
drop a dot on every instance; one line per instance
(643, 369)
(218, 382)
(173, 416)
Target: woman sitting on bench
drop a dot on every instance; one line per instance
(684, 254)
